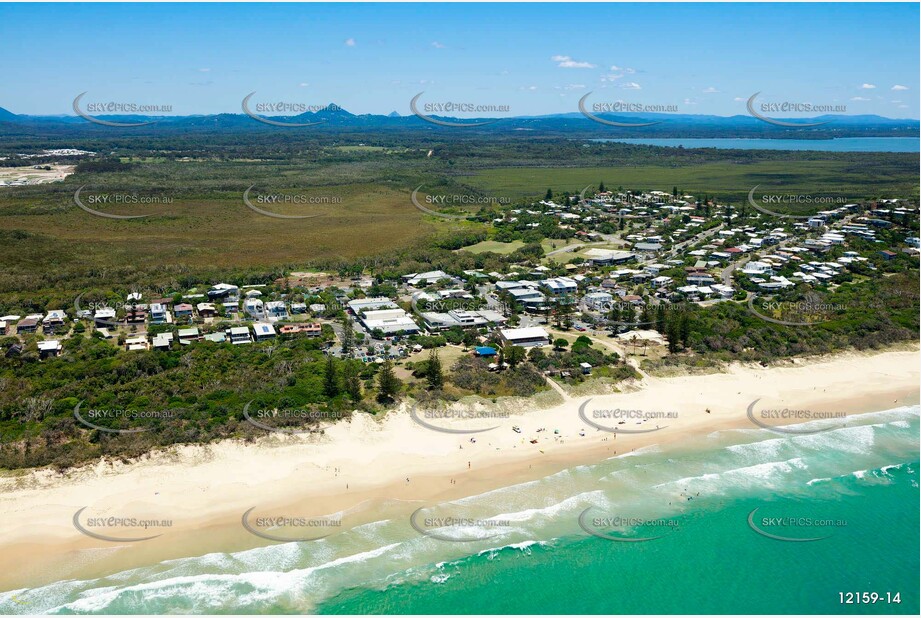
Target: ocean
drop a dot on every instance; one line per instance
(838, 144)
(745, 521)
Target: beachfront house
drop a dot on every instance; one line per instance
(534, 336)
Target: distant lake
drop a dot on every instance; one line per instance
(838, 144)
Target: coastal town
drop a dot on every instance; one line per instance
(611, 263)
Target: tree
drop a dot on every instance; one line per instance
(601, 187)
(388, 384)
(330, 378)
(348, 336)
(560, 343)
(433, 372)
(549, 195)
(514, 354)
(352, 381)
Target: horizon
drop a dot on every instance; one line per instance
(374, 59)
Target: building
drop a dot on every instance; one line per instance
(239, 334)
(534, 336)
(28, 325)
(188, 335)
(276, 310)
(182, 310)
(263, 331)
(560, 286)
(389, 321)
(206, 310)
(605, 257)
(49, 348)
(162, 341)
(53, 321)
(314, 329)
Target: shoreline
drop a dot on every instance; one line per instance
(204, 490)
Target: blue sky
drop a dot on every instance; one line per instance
(537, 59)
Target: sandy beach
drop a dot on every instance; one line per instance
(365, 467)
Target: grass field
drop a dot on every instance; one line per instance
(494, 247)
(727, 180)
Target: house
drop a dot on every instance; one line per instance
(599, 301)
(309, 329)
(529, 298)
(48, 348)
(586, 368)
(182, 310)
(2, 327)
(757, 268)
(254, 308)
(298, 308)
(605, 257)
(53, 321)
(136, 343)
(158, 314)
(888, 255)
(276, 310)
(263, 331)
(206, 310)
(534, 336)
(188, 335)
(162, 341)
(560, 286)
(136, 314)
(239, 334)
(223, 290)
(104, 315)
(417, 279)
(647, 247)
(218, 337)
(28, 325)
(370, 304)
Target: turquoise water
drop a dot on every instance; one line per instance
(863, 478)
(839, 144)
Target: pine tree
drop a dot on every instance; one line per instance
(549, 195)
(330, 379)
(352, 381)
(433, 372)
(348, 336)
(388, 384)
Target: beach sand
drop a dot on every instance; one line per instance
(359, 469)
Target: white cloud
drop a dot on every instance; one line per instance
(203, 70)
(710, 90)
(740, 99)
(303, 84)
(350, 42)
(566, 62)
(859, 99)
(610, 77)
(437, 45)
(631, 86)
(899, 87)
(868, 87)
(574, 87)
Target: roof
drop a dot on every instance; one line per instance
(524, 333)
(485, 350)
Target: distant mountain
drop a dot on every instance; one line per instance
(575, 124)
